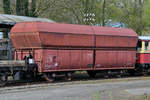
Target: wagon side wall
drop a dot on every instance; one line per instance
(115, 59)
(67, 60)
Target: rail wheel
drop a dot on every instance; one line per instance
(48, 77)
(69, 76)
(92, 74)
(3, 79)
(131, 72)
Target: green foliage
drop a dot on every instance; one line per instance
(26, 10)
(134, 13)
(19, 7)
(68, 11)
(6, 6)
(33, 8)
(146, 13)
(22, 8)
(89, 11)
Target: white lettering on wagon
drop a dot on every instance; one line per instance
(50, 62)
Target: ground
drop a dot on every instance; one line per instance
(99, 89)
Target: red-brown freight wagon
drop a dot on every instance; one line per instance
(67, 48)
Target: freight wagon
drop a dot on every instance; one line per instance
(51, 49)
(65, 48)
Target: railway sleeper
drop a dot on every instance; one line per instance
(107, 73)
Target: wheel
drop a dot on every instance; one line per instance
(68, 76)
(131, 72)
(48, 77)
(3, 79)
(92, 74)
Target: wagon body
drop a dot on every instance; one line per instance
(67, 47)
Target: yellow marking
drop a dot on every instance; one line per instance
(143, 48)
(148, 45)
(69, 78)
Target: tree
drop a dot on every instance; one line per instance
(145, 17)
(22, 7)
(69, 11)
(133, 13)
(26, 6)
(103, 12)
(33, 8)
(6, 6)
(138, 13)
(18, 7)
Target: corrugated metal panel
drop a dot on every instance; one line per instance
(72, 28)
(111, 31)
(52, 28)
(115, 41)
(115, 59)
(61, 60)
(53, 39)
(54, 34)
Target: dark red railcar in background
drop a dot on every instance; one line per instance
(65, 48)
(143, 53)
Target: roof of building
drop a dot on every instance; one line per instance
(144, 37)
(13, 19)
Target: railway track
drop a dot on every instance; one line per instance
(77, 79)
